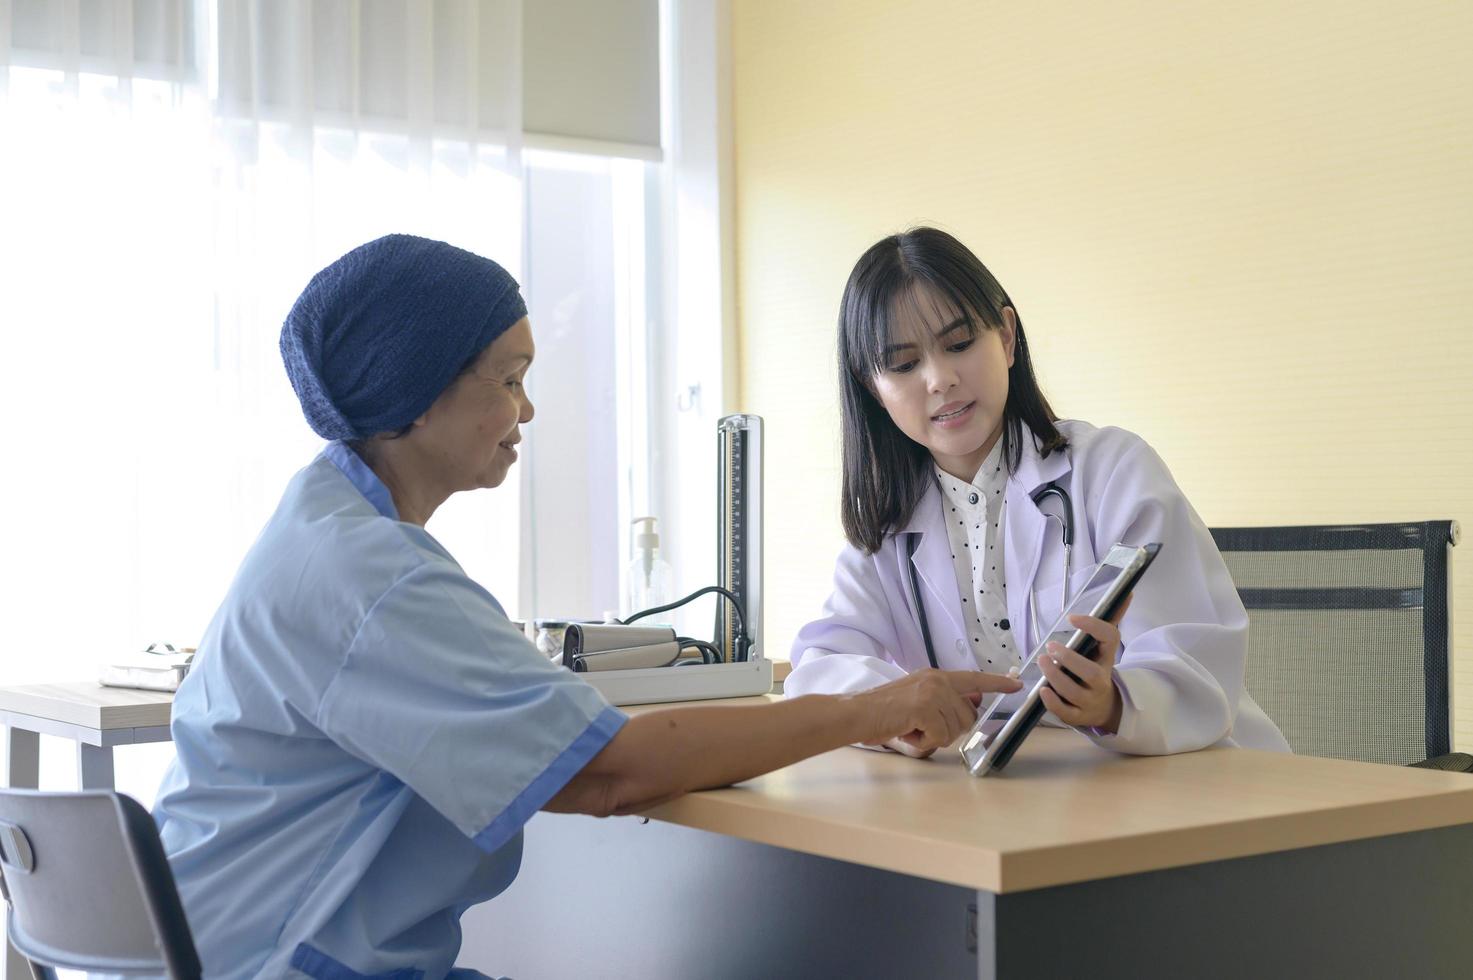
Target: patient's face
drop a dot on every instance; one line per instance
(472, 430)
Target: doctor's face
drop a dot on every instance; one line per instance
(475, 423)
(943, 385)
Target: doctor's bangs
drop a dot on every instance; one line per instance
(883, 297)
(930, 306)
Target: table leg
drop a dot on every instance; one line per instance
(24, 759)
(23, 771)
(94, 766)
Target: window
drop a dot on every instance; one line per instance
(149, 253)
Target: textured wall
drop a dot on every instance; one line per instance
(1242, 230)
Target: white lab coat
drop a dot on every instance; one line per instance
(1184, 638)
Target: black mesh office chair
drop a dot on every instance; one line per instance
(89, 888)
(1348, 642)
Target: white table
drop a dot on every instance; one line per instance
(95, 717)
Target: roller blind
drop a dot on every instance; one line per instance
(590, 68)
(153, 38)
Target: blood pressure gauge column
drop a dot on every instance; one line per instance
(739, 551)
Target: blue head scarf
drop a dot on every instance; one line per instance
(377, 335)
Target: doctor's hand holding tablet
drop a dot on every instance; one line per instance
(1081, 690)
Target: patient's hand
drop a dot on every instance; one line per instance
(905, 748)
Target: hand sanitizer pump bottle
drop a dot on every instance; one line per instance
(650, 579)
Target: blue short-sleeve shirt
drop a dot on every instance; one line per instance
(360, 741)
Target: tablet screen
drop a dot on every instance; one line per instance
(1114, 575)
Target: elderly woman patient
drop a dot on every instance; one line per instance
(365, 733)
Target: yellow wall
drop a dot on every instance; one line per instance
(1243, 230)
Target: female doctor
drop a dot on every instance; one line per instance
(364, 732)
(960, 488)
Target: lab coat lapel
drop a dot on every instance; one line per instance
(934, 564)
(1023, 547)
(1023, 531)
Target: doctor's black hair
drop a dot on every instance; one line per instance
(885, 471)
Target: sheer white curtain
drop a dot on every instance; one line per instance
(171, 174)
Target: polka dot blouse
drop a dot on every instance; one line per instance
(974, 512)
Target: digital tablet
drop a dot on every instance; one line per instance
(997, 734)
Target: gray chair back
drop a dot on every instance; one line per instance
(89, 887)
(1348, 640)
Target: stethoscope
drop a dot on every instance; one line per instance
(1066, 524)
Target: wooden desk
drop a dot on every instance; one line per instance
(1076, 862)
(1223, 863)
